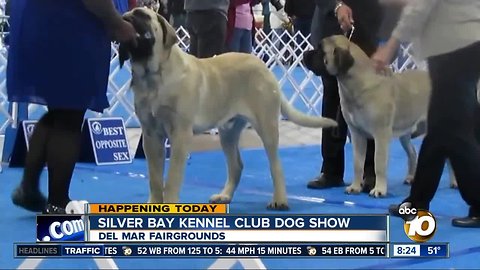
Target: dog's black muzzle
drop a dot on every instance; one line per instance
(145, 39)
(306, 59)
(313, 60)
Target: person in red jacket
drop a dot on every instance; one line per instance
(240, 25)
(132, 4)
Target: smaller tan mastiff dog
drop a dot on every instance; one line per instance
(177, 95)
(374, 106)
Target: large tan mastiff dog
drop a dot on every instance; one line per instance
(177, 95)
(374, 106)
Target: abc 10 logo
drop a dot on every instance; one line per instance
(420, 225)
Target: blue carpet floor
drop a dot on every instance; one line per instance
(205, 175)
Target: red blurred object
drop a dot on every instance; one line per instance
(132, 4)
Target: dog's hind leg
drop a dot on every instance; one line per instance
(267, 129)
(359, 144)
(229, 138)
(407, 145)
(154, 148)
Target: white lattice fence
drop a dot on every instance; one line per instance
(281, 50)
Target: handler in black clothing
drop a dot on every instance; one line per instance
(333, 18)
(301, 11)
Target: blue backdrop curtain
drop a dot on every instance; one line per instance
(121, 5)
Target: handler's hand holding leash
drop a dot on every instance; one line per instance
(344, 16)
(118, 29)
(123, 31)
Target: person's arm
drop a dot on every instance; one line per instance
(289, 7)
(276, 4)
(119, 29)
(414, 17)
(104, 10)
(279, 12)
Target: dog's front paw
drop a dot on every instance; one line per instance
(353, 189)
(220, 198)
(278, 206)
(378, 192)
(408, 180)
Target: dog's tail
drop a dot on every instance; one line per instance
(302, 119)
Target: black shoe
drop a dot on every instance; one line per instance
(54, 210)
(368, 183)
(32, 201)
(322, 182)
(393, 210)
(466, 222)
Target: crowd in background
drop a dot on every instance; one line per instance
(245, 16)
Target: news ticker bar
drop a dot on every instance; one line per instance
(202, 250)
(344, 250)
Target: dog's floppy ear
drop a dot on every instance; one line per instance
(123, 53)
(343, 60)
(169, 34)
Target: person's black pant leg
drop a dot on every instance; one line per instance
(191, 28)
(463, 149)
(207, 31)
(477, 123)
(333, 139)
(451, 128)
(212, 34)
(62, 152)
(302, 25)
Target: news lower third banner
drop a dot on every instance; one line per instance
(292, 250)
(209, 230)
(237, 228)
(205, 223)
